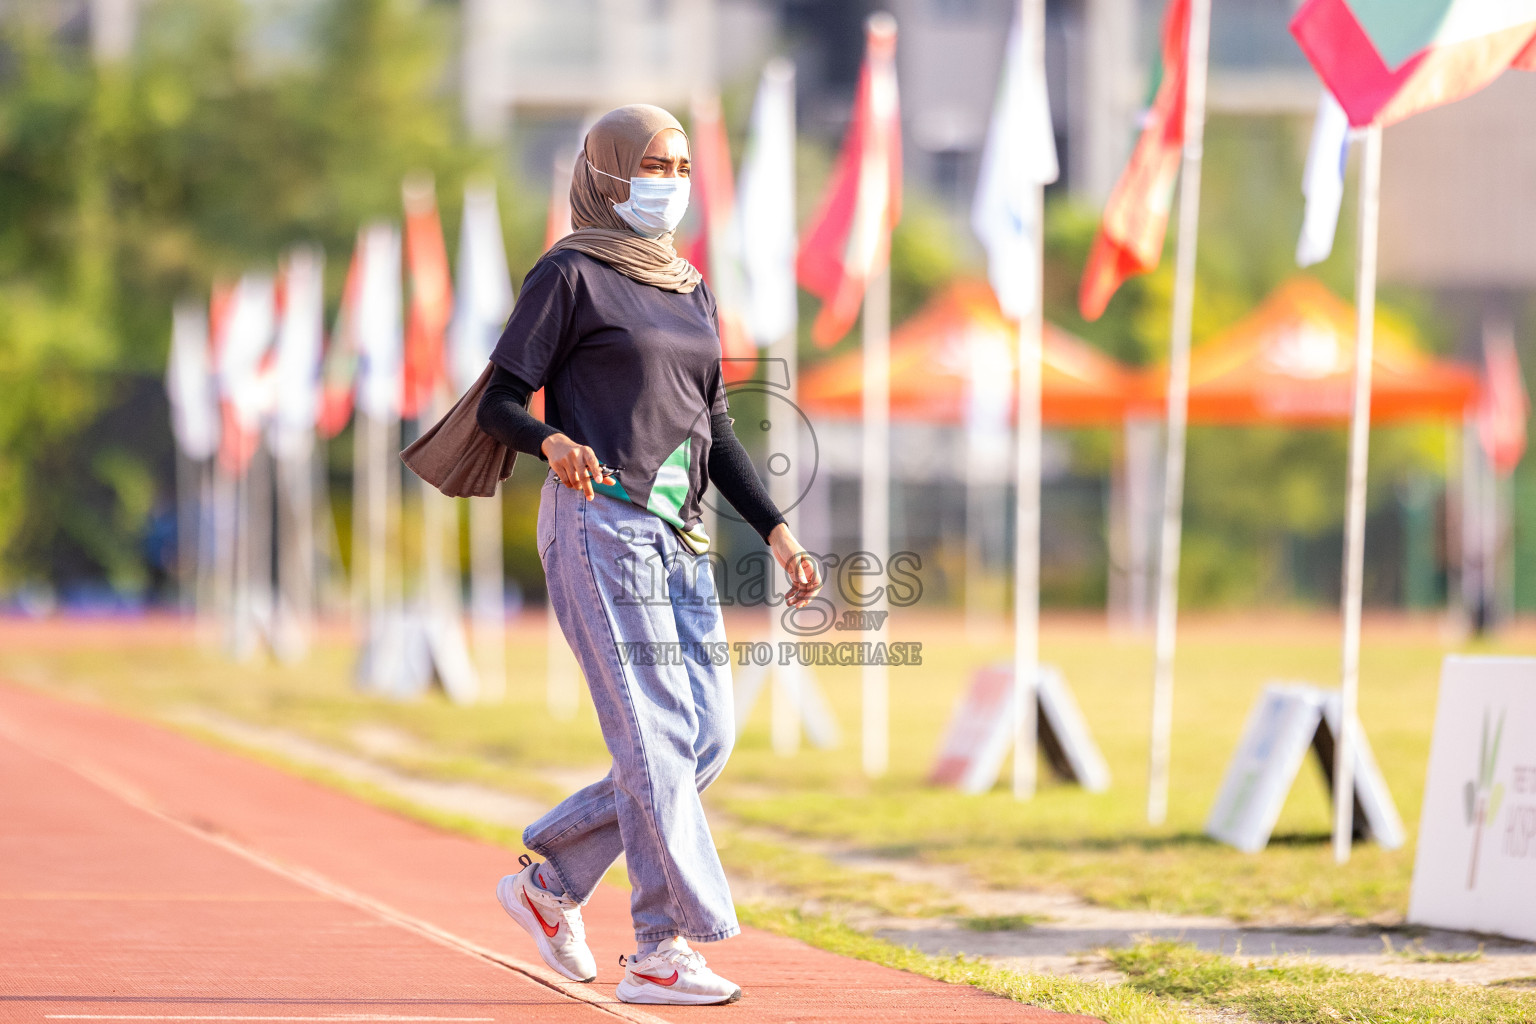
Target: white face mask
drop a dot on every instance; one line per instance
(655, 205)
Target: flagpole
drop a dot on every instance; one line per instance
(874, 503)
(785, 692)
(260, 477)
(487, 599)
(239, 643)
(376, 539)
(1469, 583)
(226, 556)
(1026, 554)
(1354, 537)
(391, 516)
(358, 592)
(294, 608)
(481, 302)
(1178, 411)
(439, 590)
(207, 549)
(186, 531)
(329, 568)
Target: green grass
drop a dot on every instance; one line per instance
(1095, 845)
(1113, 1004)
(1416, 953)
(1099, 846)
(1002, 922)
(1308, 993)
(810, 876)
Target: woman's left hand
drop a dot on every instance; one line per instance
(799, 564)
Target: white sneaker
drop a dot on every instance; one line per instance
(553, 921)
(675, 974)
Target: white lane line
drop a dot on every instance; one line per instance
(138, 799)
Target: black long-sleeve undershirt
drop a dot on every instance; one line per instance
(504, 415)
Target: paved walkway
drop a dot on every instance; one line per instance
(144, 876)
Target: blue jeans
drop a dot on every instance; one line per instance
(619, 579)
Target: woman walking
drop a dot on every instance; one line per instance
(622, 335)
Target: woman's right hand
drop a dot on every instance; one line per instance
(575, 464)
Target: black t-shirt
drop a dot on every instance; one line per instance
(628, 369)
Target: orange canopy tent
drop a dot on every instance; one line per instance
(1292, 361)
(934, 356)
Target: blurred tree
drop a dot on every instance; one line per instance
(123, 187)
(227, 137)
(1250, 493)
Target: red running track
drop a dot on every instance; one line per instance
(145, 876)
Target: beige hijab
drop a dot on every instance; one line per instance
(454, 454)
(614, 146)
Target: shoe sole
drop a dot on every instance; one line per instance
(519, 913)
(654, 995)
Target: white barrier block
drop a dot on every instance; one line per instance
(1288, 721)
(980, 734)
(1476, 864)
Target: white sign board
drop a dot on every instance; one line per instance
(1476, 864)
(405, 651)
(980, 734)
(1284, 725)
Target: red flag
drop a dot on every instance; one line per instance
(1130, 238)
(431, 300)
(242, 319)
(712, 249)
(236, 445)
(849, 240)
(1503, 406)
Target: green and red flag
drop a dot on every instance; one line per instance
(1385, 60)
(1130, 238)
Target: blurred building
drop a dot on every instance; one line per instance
(1099, 56)
(573, 57)
(541, 67)
(105, 26)
(1459, 193)
(536, 70)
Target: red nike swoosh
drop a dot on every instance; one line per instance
(660, 981)
(549, 929)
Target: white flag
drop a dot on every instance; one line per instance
(765, 208)
(248, 329)
(190, 385)
(379, 326)
(1020, 156)
(988, 400)
(296, 366)
(1323, 181)
(484, 288)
